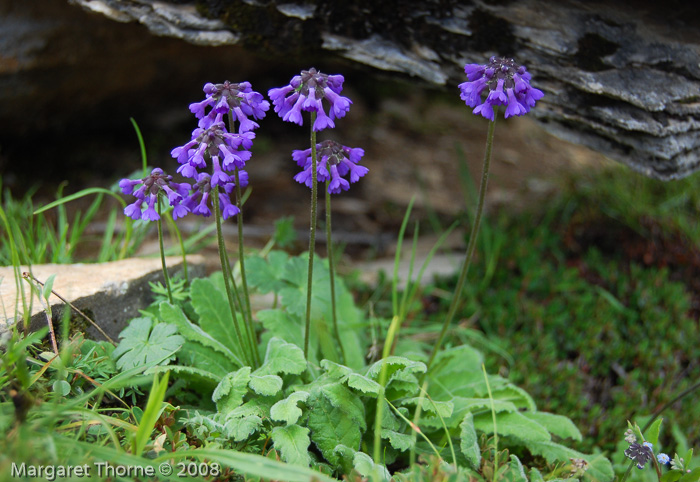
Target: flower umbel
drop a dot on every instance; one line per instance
(198, 202)
(238, 99)
(505, 82)
(306, 92)
(151, 186)
(335, 162)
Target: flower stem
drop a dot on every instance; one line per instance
(331, 269)
(471, 245)
(312, 235)
(227, 273)
(162, 253)
(241, 260)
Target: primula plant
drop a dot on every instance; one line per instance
(288, 391)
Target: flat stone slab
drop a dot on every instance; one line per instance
(109, 293)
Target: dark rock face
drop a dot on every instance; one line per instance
(620, 77)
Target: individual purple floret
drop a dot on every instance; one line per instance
(306, 92)
(198, 202)
(505, 83)
(151, 186)
(225, 150)
(335, 161)
(238, 99)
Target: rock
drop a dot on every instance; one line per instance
(109, 293)
(621, 77)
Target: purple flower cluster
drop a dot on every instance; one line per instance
(508, 84)
(151, 187)
(210, 144)
(239, 100)
(336, 161)
(306, 92)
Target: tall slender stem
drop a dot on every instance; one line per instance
(331, 268)
(471, 245)
(227, 274)
(162, 253)
(312, 235)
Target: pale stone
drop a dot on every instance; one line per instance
(109, 293)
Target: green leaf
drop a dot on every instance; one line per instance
(436, 408)
(199, 356)
(364, 464)
(514, 424)
(400, 441)
(214, 312)
(282, 357)
(558, 425)
(293, 442)
(278, 323)
(342, 398)
(240, 428)
(231, 390)
(672, 476)
(294, 297)
(61, 387)
(692, 476)
(535, 475)
(192, 372)
(48, 286)
(286, 410)
(144, 342)
(364, 384)
(652, 433)
(332, 426)
(468, 442)
(335, 370)
(515, 472)
(174, 315)
(266, 385)
(266, 274)
(395, 364)
(154, 408)
(599, 468)
(474, 404)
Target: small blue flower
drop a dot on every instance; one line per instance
(663, 459)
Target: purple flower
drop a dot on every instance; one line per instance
(151, 187)
(239, 100)
(306, 92)
(198, 202)
(505, 83)
(334, 162)
(226, 152)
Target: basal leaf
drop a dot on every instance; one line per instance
(395, 364)
(364, 384)
(266, 274)
(292, 441)
(335, 370)
(474, 404)
(240, 428)
(511, 393)
(174, 315)
(197, 355)
(400, 441)
(214, 312)
(286, 410)
(266, 385)
(331, 426)
(515, 472)
(599, 468)
(345, 400)
(441, 409)
(293, 297)
(469, 443)
(185, 372)
(231, 390)
(556, 424)
(514, 424)
(282, 357)
(367, 468)
(145, 342)
(281, 324)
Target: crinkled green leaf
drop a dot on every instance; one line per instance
(514, 424)
(511, 393)
(266, 385)
(364, 384)
(240, 428)
(211, 304)
(199, 356)
(599, 468)
(395, 364)
(400, 441)
(186, 372)
(367, 468)
(474, 404)
(282, 357)
(266, 274)
(286, 410)
(342, 398)
(293, 297)
(231, 390)
(278, 323)
(441, 409)
(469, 443)
(145, 342)
(332, 426)
(292, 441)
(194, 333)
(335, 370)
(558, 425)
(515, 472)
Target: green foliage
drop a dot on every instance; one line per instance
(145, 342)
